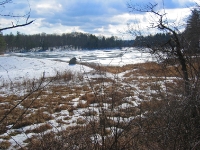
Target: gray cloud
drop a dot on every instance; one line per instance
(93, 16)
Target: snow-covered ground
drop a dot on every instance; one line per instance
(16, 67)
(22, 66)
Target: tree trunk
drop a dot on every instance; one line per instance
(184, 71)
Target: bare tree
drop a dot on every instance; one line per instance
(180, 119)
(172, 47)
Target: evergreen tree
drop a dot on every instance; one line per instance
(2, 44)
(192, 32)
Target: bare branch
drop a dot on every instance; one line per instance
(16, 26)
(16, 17)
(5, 2)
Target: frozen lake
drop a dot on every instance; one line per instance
(104, 57)
(22, 66)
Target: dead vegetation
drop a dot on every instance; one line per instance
(119, 112)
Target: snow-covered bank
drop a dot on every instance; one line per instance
(13, 68)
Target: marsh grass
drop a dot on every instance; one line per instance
(5, 144)
(40, 129)
(108, 102)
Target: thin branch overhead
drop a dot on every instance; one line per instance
(16, 26)
(5, 2)
(25, 16)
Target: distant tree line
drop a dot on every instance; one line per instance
(75, 40)
(152, 40)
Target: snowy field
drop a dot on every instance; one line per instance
(14, 68)
(21, 66)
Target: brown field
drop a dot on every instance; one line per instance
(98, 105)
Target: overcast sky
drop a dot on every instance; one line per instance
(99, 17)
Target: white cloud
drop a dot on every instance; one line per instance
(5, 22)
(96, 17)
(50, 7)
(144, 22)
(183, 2)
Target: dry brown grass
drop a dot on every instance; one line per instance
(37, 116)
(45, 141)
(5, 144)
(152, 69)
(123, 112)
(60, 96)
(89, 97)
(60, 121)
(82, 105)
(118, 69)
(40, 129)
(61, 107)
(151, 105)
(141, 69)
(35, 103)
(6, 137)
(80, 121)
(66, 76)
(71, 110)
(90, 113)
(101, 80)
